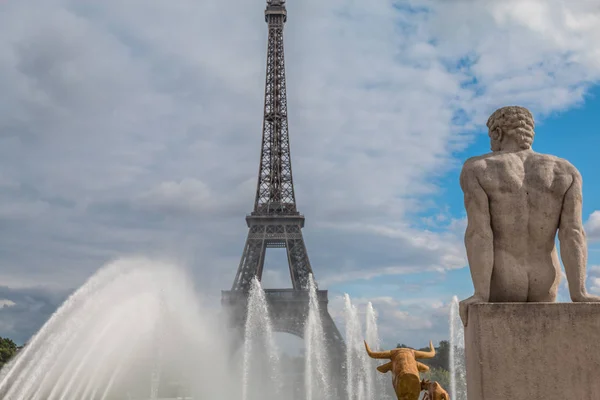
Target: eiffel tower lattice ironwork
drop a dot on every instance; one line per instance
(275, 220)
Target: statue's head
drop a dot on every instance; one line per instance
(511, 127)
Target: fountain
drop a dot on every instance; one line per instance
(458, 377)
(103, 342)
(155, 378)
(138, 330)
(352, 347)
(377, 380)
(360, 369)
(317, 384)
(262, 368)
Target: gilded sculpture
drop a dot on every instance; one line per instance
(405, 372)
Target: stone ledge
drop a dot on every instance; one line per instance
(531, 351)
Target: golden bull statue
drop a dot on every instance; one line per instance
(405, 372)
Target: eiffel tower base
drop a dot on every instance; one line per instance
(288, 309)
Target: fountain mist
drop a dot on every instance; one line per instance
(134, 323)
(262, 367)
(155, 378)
(352, 330)
(316, 373)
(137, 330)
(360, 369)
(458, 385)
(377, 380)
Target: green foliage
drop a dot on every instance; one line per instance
(442, 355)
(8, 349)
(438, 375)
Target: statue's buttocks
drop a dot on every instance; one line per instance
(516, 201)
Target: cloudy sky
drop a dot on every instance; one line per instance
(133, 127)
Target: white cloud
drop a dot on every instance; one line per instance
(423, 250)
(134, 126)
(592, 226)
(593, 279)
(563, 288)
(188, 196)
(6, 303)
(24, 310)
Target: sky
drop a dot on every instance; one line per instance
(133, 127)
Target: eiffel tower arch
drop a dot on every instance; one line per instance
(275, 221)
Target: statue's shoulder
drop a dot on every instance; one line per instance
(477, 163)
(560, 165)
(473, 169)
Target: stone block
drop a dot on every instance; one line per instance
(533, 351)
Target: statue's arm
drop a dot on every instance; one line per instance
(573, 246)
(479, 239)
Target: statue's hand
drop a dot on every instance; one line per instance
(585, 298)
(463, 307)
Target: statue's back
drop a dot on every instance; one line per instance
(516, 202)
(525, 191)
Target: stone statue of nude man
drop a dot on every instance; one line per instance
(516, 201)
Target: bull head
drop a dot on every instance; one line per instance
(405, 369)
(433, 391)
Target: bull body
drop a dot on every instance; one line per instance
(405, 369)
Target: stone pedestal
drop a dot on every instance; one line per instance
(533, 351)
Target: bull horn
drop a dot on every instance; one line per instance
(426, 354)
(377, 354)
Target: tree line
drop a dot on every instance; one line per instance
(8, 349)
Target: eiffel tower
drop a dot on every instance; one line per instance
(275, 221)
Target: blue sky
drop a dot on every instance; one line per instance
(133, 127)
(570, 134)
